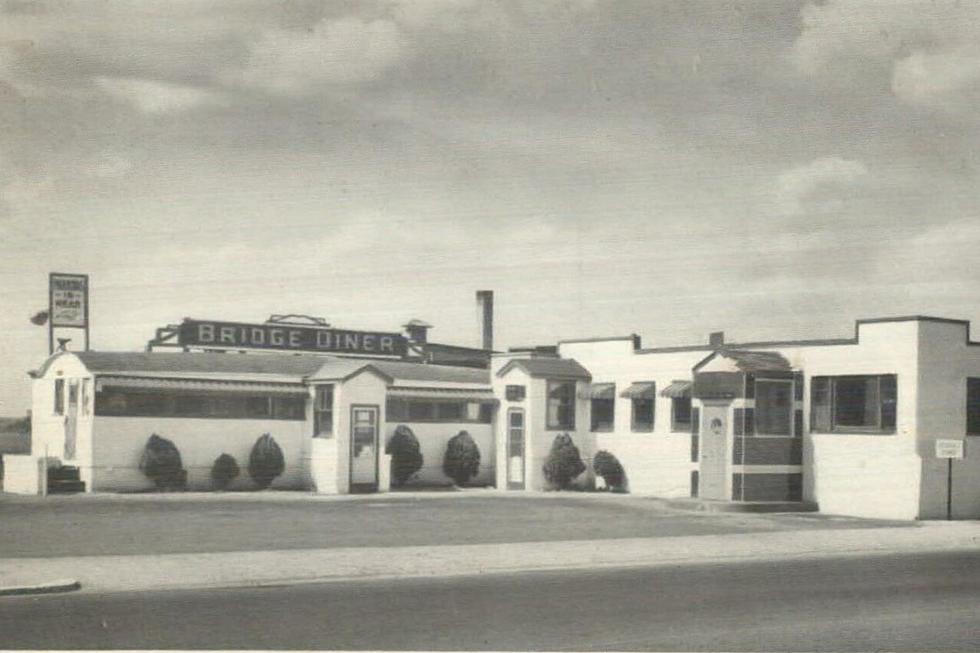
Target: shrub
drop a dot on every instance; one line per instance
(406, 454)
(266, 461)
(462, 460)
(224, 471)
(563, 463)
(161, 464)
(609, 468)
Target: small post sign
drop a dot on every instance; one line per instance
(67, 304)
(949, 449)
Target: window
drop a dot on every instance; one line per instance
(258, 407)
(59, 396)
(323, 411)
(423, 410)
(561, 405)
(603, 413)
(190, 406)
(973, 406)
(516, 392)
(773, 407)
(855, 404)
(643, 414)
(680, 414)
(292, 408)
(132, 403)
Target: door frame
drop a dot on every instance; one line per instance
(704, 431)
(523, 484)
(73, 387)
(364, 487)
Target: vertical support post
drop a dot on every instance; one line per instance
(50, 315)
(949, 489)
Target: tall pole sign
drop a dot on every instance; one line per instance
(68, 302)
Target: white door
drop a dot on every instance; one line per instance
(713, 480)
(364, 448)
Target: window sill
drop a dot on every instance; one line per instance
(644, 429)
(605, 429)
(853, 432)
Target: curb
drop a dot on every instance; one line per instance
(51, 587)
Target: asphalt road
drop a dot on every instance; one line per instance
(145, 525)
(926, 602)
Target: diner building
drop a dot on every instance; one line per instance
(846, 425)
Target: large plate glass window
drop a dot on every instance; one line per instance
(561, 405)
(853, 403)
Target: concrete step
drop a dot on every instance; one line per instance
(60, 486)
(714, 505)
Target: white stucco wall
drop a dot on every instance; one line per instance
(656, 462)
(48, 429)
(945, 363)
(22, 474)
(119, 443)
(863, 475)
(538, 438)
(433, 438)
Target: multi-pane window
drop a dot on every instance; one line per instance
(323, 411)
(561, 405)
(603, 407)
(855, 404)
(59, 396)
(773, 407)
(400, 409)
(973, 406)
(680, 414)
(226, 405)
(643, 413)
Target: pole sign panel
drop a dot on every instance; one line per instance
(289, 337)
(69, 300)
(951, 449)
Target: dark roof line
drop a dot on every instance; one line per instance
(816, 342)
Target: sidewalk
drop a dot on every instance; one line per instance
(256, 568)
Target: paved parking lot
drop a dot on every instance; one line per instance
(82, 525)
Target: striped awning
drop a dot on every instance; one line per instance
(199, 385)
(677, 390)
(483, 396)
(600, 391)
(640, 390)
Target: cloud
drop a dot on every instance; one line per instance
(948, 80)
(158, 97)
(794, 187)
(334, 51)
(929, 47)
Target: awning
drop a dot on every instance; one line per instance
(446, 394)
(600, 391)
(199, 385)
(677, 390)
(640, 390)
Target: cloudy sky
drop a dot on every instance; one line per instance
(771, 169)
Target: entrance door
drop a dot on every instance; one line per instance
(71, 421)
(515, 449)
(713, 481)
(364, 449)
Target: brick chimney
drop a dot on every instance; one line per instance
(716, 339)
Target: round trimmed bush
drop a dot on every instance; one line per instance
(406, 454)
(563, 463)
(609, 468)
(161, 463)
(462, 460)
(224, 470)
(266, 461)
